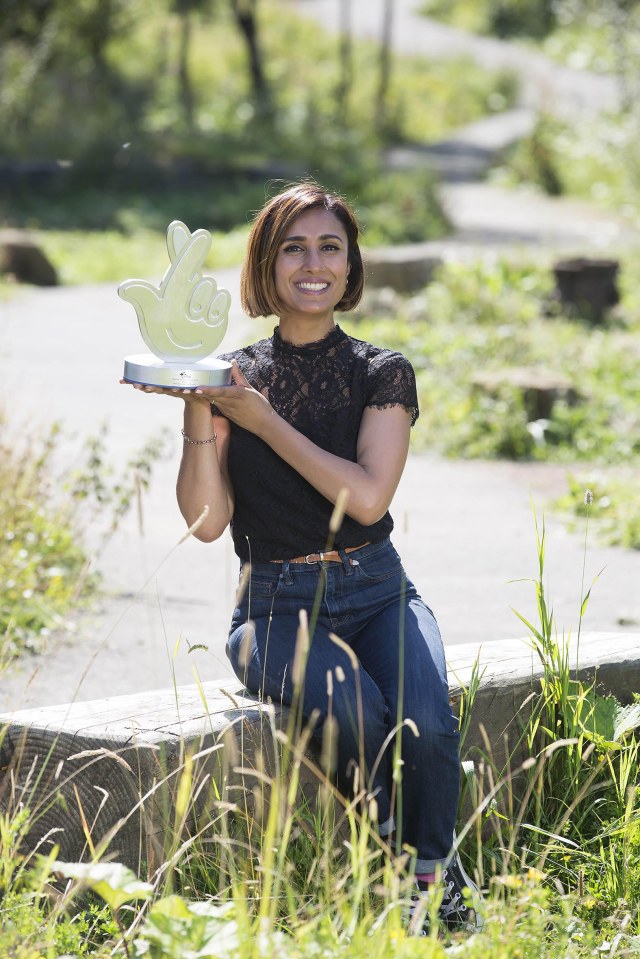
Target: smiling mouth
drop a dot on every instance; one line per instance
(182, 346)
(308, 287)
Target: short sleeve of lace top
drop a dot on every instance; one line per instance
(392, 382)
(321, 389)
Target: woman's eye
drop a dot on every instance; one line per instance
(292, 248)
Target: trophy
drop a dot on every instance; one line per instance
(182, 321)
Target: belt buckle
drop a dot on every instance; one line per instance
(312, 562)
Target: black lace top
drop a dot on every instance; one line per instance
(321, 389)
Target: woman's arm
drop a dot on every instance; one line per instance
(203, 479)
(383, 444)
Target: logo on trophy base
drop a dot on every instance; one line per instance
(182, 321)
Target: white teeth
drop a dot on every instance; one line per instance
(313, 287)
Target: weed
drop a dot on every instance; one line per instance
(43, 559)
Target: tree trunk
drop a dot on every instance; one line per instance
(346, 59)
(184, 78)
(384, 76)
(244, 12)
(619, 20)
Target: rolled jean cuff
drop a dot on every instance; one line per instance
(424, 866)
(386, 828)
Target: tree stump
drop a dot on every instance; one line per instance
(404, 269)
(587, 287)
(541, 388)
(22, 258)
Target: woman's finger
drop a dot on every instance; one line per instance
(238, 376)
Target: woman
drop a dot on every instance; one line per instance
(311, 412)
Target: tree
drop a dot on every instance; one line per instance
(186, 96)
(346, 58)
(245, 14)
(384, 67)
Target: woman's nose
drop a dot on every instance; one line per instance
(313, 260)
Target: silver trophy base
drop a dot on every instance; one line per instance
(148, 370)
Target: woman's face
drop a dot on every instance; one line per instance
(312, 266)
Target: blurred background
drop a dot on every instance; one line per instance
(490, 148)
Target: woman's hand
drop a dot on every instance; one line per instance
(241, 403)
(189, 396)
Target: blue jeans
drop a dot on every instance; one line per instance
(369, 603)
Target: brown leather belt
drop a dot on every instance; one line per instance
(332, 556)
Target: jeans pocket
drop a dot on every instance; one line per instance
(377, 566)
(263, 584)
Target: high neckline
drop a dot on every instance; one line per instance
(323, 345)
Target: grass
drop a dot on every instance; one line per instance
(255, 865)
(107, 256)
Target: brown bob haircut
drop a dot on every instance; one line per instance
(270, 227)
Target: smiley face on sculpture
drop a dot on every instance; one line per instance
(186, 317)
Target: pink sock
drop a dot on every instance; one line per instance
(428, 877)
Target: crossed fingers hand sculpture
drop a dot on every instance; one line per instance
(185, 317)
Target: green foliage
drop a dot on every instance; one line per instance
(596, 35)
(101, 490)
(112, 881)
(30, 930)
(256, 865)
(42, 562)
(176, 928)
(43, 558)
(596, 160)
(108, 255)
(494, 316)
(398, 208)
(588, 35)
(133, 162)
(573, 810)
(601, 36)
(30, 927)
(502, 18)
(614, 512)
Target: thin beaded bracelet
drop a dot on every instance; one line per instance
(199, 442)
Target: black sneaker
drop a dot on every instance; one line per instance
(458, 910)
(460, 899)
